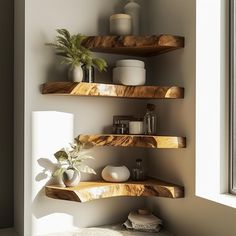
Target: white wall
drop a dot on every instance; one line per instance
(192, 215)
(90, 115)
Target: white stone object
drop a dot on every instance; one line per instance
(71, 178)
(115, 173)
(120, 24)
(75, 73)
(132, 8)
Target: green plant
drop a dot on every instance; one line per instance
(70, 47)
(73, 158)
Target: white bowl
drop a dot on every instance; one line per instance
(130, 63)
(132, 76)
(115, 173)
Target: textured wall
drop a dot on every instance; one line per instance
(6, 118)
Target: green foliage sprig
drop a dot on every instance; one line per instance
(73, 158)
(70, 47)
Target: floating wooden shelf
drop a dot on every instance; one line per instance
(145, 141)
(135, 45)
(88, 191)
(111, 90)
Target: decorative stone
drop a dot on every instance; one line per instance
(115, 173)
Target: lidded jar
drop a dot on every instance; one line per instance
(120, 24)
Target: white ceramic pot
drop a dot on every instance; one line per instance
(71, 178)
(75, 73)
(130, 63)
(136, 127)
(120, 24)
(132, 76)
(115, 173)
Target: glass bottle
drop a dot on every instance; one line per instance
(138, 173)
(150, 120)
(132, 8)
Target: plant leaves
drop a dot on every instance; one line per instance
(61, 155)
(58, 172)
(85, 169)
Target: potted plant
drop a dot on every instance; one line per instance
(71, 163)
(76, 55)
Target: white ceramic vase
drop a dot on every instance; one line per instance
(71, 177)
(132, 8)
(75, 73)
(115, 173)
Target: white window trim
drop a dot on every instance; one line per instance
(212, 105)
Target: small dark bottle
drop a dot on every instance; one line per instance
(138, 173)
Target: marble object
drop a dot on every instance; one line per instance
(115, 174)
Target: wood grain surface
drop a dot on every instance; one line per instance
(145, 141)
(112, 90)
(88, 191)
(135, 45)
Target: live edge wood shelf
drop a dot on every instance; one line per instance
(112, 90)
(88, 191)
(135, 45)
(144, 141)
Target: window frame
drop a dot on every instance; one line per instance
(232, 94)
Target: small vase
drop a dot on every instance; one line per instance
(88, 75)
(75, 73)
(71, 177)
(115, 173)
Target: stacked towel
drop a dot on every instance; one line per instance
(144, 221)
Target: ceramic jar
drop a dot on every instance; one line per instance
(129, 72)
(115, 173)
(132, 8)
(136, 127)
(75, 73)
(120, 24)
(71, 177)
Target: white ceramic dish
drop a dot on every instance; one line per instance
(130, 63)
(132, 76)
